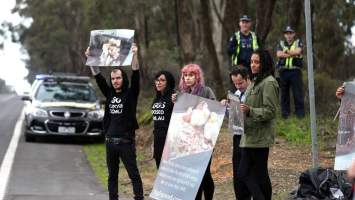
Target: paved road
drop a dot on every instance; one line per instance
(45, 170)
(10, 107)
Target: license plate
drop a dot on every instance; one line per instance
(63, 129)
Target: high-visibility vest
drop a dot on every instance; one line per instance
(291, 62)
(255, 46)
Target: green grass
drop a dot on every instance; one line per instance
(298, 132)
(96, 155)
(294, 130)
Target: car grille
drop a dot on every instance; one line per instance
(80, 126)
(67, 114)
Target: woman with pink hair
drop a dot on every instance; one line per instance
(192, 82)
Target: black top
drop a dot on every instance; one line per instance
(162, 109)
(120, 109)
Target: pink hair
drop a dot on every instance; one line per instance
(200, 82)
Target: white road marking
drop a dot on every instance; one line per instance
(6, 166)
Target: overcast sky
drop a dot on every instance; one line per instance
(12, 67)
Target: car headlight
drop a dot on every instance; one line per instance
(38, 112)
(96, 114)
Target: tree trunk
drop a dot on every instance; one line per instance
(141, 41)
(243, 8)
(185, 33)
(264, 11)
(295, 9)
(218, 25)
(208, 40)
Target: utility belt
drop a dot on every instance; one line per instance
(112, 140)
(295, 64)
(124, 138)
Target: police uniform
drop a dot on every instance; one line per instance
(291, 77)
(242, 46)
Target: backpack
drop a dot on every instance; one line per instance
(325, 184)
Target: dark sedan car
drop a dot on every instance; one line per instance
(62, 105)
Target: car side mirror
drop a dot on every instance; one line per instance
(26, 98)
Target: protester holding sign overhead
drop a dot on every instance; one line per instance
(120, 124)
(260, 107)
(192, 82)
(162, 109)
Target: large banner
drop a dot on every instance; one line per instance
(110, 47)
(345, 148)
(192, 134)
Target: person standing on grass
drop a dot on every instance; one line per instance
(192, 82)
(162, 109)
(120, 124)
(289, 53)
(260, 108)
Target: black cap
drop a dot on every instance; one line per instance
(288, 29)
(245, 18)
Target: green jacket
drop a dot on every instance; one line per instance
(259, 124)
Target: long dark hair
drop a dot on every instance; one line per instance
(170, 84)
(267, 66)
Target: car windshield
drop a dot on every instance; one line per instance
(65, 91)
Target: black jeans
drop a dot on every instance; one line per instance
(237, 154)
(159, 142)
(127, 153)
(207, 185)
(291, 79)
(253, 177)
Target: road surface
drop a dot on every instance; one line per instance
(43, 170)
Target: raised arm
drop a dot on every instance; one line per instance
(100, 80)
(135, 73)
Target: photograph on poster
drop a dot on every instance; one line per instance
(110, 47)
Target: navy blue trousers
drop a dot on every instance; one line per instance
(291, 79)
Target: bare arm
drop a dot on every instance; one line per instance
(135, 63)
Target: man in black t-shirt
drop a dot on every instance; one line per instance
(120, 124)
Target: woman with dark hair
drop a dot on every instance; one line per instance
(162, 108)
(192, 82)
(260, 107)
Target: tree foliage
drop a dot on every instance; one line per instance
(171, 33)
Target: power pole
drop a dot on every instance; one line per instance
(307, 8)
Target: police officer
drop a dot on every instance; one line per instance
(243, 43)
(289, 53)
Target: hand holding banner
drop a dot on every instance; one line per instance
(345, 148)
(236, 117)
(193, 131)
